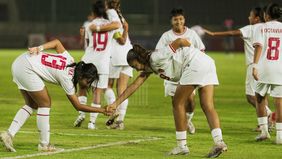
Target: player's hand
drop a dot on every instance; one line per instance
(107, 112)
(34, 50)
(255, 73)
(110, 107)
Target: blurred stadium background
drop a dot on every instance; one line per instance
(29, 22)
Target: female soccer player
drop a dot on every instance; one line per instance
(267, 69)
(256, 19)
(30, 70)
(193, 70)
(179, 30)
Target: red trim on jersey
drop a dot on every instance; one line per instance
(43, 114)
(172, 48)
(27, 111)
(185, 29)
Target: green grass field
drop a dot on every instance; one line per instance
(149, 115)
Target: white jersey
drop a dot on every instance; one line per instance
(52, 68)
(119, 53)
(98, 50)
(169, 68)
(247, 36)
(189, 34)
(269, 36)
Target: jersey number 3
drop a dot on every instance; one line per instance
(273, 48)
(100, 41)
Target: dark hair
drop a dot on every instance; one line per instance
(84, 70)
(139, 54)
(176, 11)
(98, 8)
(274, 11)
(258, 11)
(115, 4)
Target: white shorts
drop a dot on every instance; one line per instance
(115, 71)
(273, 89)
(25, 77)
(250, 83)
(201, 71)
(102, 83)
(170, 88)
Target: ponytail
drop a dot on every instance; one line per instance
(139, 54)
(83, 70)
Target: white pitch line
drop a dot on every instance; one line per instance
(83, 148)
(70, 134)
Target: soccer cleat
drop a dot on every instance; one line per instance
(112, 119)
(271, 121)
(7, 140)
(78, 121)
(91, 126)
(191, 127)
(278, 141)
(257, 129)
(217, 149)
(46, 148)
(179, 151)
(262, 137)
(119, 125)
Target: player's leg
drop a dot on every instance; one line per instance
(190, 106)
(43, 101)
(206, 94)
(179, 113)
(278, 104)
(109, 92)
(20, 118)
(82, 98)
(97, 92)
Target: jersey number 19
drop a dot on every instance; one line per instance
(100, 41)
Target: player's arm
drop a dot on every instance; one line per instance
(54, 44)
(130, 90)
(178, 43)
(82, 36)
(224, 33)
(257, 54)
(80, 107)
(103, 28)
(121, 39)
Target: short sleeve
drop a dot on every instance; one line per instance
(258, 35)
(198, 42)
(246, 31)
(162, 42)
(112, 15)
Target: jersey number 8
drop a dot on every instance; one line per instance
(273, 46)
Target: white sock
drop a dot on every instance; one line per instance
(189, 115)
(93, 116)
(82, 100)
(268, 111)
(110, 95)
(22, 115)
(278, 131)
(262, 122)
(43, 125)
(122, 110)
(181, 138)
(217, 135)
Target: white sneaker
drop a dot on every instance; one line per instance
(7, 140)
(278, 141)
(46, 148)
(217, 149)
(179, 151)
(78, 121)
(191, 127)
(262, 137)
(119, 125)
(91, 126)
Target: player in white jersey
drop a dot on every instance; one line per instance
(179, 30)
(119, 68)
(98, 53)
(193, 70)
(30, 70)
(82, 40)
(267, 69)
(256, 19)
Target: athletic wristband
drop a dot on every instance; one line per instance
(98, 28)
(40, 48)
